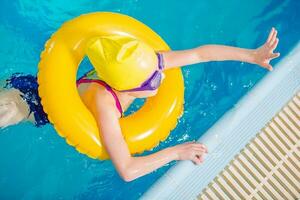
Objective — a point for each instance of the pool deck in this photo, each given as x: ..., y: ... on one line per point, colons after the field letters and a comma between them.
x: 239, y: 142
x: 269, y: 166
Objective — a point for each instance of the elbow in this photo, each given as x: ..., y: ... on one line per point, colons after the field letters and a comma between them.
x: 200, y: 54
x: 127, y: 176
x: 128, y: 172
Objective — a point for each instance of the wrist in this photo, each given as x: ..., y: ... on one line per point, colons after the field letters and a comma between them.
x: 173, y: 153
x: 252, y: 54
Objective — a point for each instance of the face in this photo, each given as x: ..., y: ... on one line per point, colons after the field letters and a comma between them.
x: 147, y: 93
x: 150, y: 86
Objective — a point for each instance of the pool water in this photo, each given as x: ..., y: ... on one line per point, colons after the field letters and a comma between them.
x: 37, y: 164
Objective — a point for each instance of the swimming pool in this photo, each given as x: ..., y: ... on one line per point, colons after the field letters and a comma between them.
x: 37, y: 164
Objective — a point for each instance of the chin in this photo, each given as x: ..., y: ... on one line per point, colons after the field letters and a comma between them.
x: 144, y: 94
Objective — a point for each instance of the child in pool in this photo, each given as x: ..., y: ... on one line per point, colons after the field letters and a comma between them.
x: 20, y: 101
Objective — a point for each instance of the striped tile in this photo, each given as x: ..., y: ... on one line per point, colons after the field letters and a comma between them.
x: 268, y: 167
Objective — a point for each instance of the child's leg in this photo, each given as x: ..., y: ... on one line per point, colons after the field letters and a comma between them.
x: 13, y: 109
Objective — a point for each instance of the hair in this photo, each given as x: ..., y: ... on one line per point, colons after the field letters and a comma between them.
x: 28, y: 86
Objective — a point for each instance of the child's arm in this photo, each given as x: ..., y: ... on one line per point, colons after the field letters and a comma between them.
x: 261, y: 56
x: 130, y: 167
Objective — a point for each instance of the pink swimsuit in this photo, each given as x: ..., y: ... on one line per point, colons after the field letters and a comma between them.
x: 84, y: 79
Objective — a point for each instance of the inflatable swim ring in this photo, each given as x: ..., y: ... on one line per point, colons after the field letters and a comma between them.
x: 58, y: 66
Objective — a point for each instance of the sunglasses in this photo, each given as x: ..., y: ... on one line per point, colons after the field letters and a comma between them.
x: 155, y: 79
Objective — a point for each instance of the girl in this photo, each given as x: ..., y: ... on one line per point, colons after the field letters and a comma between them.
x: 109, y: 97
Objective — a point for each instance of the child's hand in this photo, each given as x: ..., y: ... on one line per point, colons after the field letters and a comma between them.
x: 190, y: 151
x: 264, y: 54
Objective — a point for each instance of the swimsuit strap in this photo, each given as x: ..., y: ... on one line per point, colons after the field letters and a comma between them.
x: 107, y: 87
x: 160, y: 58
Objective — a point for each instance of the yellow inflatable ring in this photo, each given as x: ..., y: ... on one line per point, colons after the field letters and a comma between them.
x: 58, y: 66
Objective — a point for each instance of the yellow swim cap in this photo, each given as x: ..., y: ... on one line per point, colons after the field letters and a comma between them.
x: 121, y: 61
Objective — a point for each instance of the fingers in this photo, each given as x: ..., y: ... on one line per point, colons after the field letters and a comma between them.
x: 197, y: 145
x: 200, y: 147
x: 193, y: 151
x: 273, y: 38
x: 274, y: 44
x: 198, y: 160
x: 198, y: 157
x: 274, y: 55
x: 266, y: 52
x: 271, y: 34
x: 268, y: 66
x: 199, y: 151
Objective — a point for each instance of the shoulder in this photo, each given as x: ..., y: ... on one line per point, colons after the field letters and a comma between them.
x: 103, y: 101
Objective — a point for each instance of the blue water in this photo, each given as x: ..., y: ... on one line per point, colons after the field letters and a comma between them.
x: 37, y: 164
